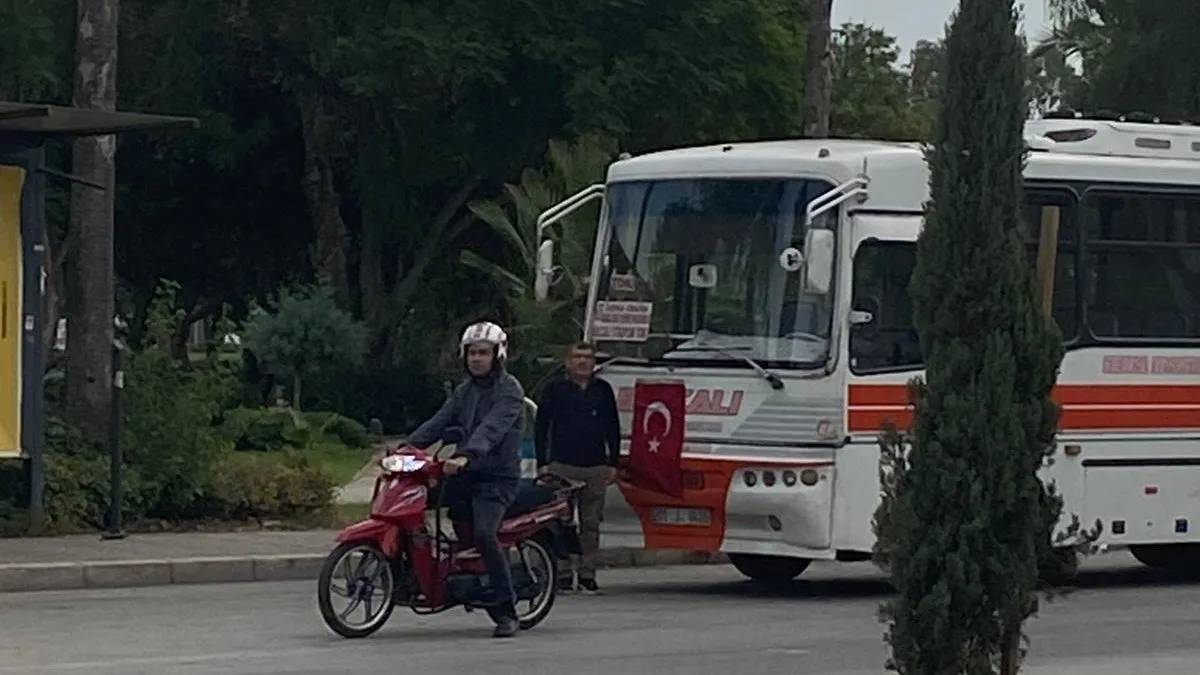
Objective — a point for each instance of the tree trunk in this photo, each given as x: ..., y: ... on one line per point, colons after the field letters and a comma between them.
x: 91, y: 300
x: 320, y: 125
x: 296, y: 391
x: 1010, y: 658
x: 818, y: 76
x: 384, y: 309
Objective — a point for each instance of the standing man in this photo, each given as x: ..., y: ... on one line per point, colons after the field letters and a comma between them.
x: 577, y: 435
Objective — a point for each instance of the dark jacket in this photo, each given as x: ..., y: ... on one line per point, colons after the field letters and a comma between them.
x: 577, y: 426
x: 488, y: 409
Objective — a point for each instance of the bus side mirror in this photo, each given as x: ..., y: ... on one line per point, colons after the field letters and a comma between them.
x: 818, y: 258
x: 545, y: 270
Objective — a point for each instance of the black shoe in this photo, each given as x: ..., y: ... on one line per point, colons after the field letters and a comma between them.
x: 589, y: 586
x: 506, y: 628
x: 566, y: 585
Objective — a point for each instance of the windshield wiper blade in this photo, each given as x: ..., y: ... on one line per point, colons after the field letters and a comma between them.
x: 771, y: 378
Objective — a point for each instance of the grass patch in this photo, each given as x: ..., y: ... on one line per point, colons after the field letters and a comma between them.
x: 348, y: 514
x: 342, y: 462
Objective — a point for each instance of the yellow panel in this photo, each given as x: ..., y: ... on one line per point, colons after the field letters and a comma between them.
x: 12, y: 179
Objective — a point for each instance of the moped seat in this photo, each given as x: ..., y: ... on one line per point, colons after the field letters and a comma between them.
x: 530, y: 497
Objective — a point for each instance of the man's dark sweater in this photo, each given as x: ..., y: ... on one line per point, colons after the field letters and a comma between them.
x: 577, y: 425
x: 488, y: 409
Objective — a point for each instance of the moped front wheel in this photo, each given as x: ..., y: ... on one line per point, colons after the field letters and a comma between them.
x: 359, y: 575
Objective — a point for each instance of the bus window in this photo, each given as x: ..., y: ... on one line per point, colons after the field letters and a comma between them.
x: 1143, y: 255
x: 1066, y: 291
x: 882, y: 271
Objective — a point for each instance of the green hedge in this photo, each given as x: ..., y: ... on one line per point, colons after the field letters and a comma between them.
x: 180, y: 465
x: 181, y: 440
x: 268, y: 429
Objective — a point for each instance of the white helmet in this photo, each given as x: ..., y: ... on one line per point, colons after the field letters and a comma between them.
x: 486, y: 332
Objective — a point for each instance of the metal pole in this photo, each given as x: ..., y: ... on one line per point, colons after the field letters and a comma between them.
x: 116, y: 461
x: 33, y: 222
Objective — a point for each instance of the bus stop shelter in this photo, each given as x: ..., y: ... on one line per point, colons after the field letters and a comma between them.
x: 25, y: 128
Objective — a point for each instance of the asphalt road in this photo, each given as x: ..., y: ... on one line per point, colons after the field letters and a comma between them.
x: 695, y: 620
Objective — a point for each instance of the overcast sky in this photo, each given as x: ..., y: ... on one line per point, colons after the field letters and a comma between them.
x: 912, y: 20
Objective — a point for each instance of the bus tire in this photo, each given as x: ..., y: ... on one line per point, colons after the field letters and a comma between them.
x: 769, y: 570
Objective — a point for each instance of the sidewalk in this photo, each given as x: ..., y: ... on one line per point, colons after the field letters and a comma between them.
x: 86, y: 561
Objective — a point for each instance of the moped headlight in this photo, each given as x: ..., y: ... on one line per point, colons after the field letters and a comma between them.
x: 402, y: 463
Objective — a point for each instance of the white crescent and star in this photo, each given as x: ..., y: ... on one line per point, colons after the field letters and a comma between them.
x: 656, y: 408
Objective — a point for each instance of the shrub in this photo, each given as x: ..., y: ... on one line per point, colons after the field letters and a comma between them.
x: 170, y: 408
x: 268, y: 429
x: 303, y: 334
x: 77, y: 493
x: 246, y: 485
x: 77, y: 485
x: 265, y: 429
x: 331, y: 425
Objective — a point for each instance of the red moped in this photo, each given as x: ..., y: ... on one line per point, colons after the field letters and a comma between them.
x: 396, y: 557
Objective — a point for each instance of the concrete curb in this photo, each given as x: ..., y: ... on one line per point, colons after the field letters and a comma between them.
x: 231, y: 569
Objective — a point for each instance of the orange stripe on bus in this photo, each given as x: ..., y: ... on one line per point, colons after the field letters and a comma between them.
x: 1069, y: 420
x: 1084, y: 407
x: 1066, y: 394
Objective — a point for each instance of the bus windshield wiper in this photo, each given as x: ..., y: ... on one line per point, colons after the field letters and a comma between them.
x: 771, y: 378
x: 637, y: 360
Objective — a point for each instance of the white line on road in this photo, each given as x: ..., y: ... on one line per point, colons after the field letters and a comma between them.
x: 507, y: 650
x: 159, y: 660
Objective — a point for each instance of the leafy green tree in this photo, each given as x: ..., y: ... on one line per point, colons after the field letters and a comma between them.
x: 870, y: 94
x: 1052, y: 82
x: 304, y: 333
x: 451, y: 99
x: 1136, y: 55
x: 966, y: 521
x: 35, y: 49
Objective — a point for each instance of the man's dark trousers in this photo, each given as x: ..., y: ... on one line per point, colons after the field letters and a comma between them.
x: 483, y: 503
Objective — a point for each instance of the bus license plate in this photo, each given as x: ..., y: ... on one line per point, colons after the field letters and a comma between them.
x: 669, y: 516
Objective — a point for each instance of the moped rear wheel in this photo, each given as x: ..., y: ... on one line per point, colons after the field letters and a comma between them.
x: 359, y: 574
x: 542, y: 567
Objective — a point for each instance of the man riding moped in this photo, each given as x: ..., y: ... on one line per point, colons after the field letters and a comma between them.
x: 486, y: 465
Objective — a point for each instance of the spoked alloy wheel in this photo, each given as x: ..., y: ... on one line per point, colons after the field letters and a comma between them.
x: 355, y: 589
x: 531, y: 560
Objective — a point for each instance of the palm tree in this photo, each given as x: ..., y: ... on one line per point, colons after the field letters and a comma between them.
x: 570, y: 167
x: 1079, y: 28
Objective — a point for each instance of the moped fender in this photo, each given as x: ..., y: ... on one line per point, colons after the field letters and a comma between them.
x: 382, y: 533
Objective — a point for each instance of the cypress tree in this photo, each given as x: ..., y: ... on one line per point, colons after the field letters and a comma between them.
x: 966, y: 523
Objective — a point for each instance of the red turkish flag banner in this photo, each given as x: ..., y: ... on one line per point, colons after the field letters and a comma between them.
x: 656, y: 441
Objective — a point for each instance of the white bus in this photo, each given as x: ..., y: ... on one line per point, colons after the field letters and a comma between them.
x: 772, y: 278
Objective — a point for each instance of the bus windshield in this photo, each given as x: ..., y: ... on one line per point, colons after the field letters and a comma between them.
x: 693, y: 273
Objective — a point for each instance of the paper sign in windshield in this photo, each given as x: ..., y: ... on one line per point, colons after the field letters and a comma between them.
x: 625, y: 321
